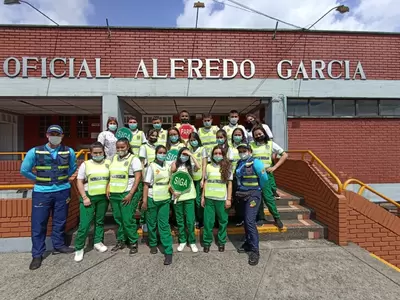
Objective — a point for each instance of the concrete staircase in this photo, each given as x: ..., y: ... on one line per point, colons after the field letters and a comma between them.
x: 298, y: 223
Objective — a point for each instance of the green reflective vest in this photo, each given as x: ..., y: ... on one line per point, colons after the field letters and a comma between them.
x: 216, y: 189
x: 161, y: 182
x: 263, y: 152
x: 98, y: 175
x: 119, y: 173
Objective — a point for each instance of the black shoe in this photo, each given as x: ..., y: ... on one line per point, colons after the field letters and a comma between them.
x: 244, y: 248
x: 278, y: 223
x: 199, y: 225
x: 260, y: 223
x: 276, y: 195
x: 206, y: 249
x: 119, y: 246
x: 134, y: 249
x: 35, y: 263
x: 221, y: 248
x: 253, y: 258
x: 153, y: 250
x: 168, y: 259
x: 63, y: 250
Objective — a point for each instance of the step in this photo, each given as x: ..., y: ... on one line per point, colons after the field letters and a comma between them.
x: 293, y: 230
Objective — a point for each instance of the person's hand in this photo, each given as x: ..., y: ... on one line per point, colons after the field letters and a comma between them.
x: 187, y: 152
x: 203, y: 202
x: 127, y: 199
x: 86, y: 201
x: 202, y: 183
x: 271, y: 169
x: 144, y: 205
x: 176, y: 195
x: 228, y: 204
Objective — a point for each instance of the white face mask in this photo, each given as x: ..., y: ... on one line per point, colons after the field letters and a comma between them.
x: 55, y: 140
x: 244, y: 156
x: 233, y: 121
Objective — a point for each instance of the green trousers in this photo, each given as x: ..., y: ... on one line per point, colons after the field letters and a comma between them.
x: 157, y: 216
x: 212, y: 208
x: 268, y: 199
x: 124, y: 217
x: 199, y: 209
x: 96, y: 211
x: 184, y: 211
x: 271, y: 177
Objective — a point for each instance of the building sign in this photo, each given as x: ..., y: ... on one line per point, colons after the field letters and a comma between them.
x: 210, y: 68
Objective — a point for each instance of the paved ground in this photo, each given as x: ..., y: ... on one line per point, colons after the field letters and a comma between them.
x: 314, y: 269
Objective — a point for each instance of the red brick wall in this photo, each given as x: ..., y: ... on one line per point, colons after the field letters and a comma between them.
x: 360, y: 148
x: 9, y: 173
x: 121, y: 53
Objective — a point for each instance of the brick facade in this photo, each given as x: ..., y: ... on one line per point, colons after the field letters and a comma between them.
x: 10, y: 174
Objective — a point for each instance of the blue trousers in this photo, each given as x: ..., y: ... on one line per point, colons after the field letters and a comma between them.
x: 250, y: 204
x: 43, y: 204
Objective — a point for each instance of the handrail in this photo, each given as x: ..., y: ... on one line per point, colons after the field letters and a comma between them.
x: 325, y: 167
x: 14, y: 153
x: 16, y: 187
x: 84, y: 152
x: 364, y: 186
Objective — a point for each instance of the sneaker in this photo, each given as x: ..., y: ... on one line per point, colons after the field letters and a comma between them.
x: 181, y: 247
x: 79, y: 255
x: 278, y: 223
x: 240, y: 224
x: 244, y: 248
x: 276, y: 195
x: 35, y: 263
x: 100, y: 247
x: 221, y: 248
x: 119, y: 246
x: 153, y: 250
x: 253, y: 258
x: 133, y: 249
x: 199, y: 225
x: 206, y: 249
x: 144, y: 227
x: 168, y: 259
x: 63, y: 250
x: 194, y: 248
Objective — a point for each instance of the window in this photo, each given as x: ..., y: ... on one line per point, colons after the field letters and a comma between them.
x: 321, y: 107
x: 367, y: 108
x: 344, y: 108
x: 83, y: 127
x: 65, y: 123
x: 389, y: 107
x: 147, y: 122
x: 223, y: 121
x: 44, y: 123
x: 297, y: 107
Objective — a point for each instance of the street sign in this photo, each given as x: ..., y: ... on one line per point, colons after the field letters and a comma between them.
x: 124, y: 133
x: 185, y: 130
x: 172, y: 155
x: 181, y: 182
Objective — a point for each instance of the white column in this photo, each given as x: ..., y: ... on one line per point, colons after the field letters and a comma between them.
x: 276, y: 118
x: 112, y: 106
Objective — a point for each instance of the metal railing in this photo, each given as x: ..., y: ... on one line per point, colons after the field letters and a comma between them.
x: 364, y: 187
x: 22, y: 154
x: 84, y: 152
x: 315, y: 158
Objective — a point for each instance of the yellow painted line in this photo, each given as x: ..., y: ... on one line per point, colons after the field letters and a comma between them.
x: 385, y: 262
x: 233, y: 230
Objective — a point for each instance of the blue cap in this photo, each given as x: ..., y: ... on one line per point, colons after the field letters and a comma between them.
x: 55, y: 128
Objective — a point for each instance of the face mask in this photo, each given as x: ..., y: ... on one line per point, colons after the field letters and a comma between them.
x: 153, y: 140
x: 237, y: 139
x: 112, y: 127
x: 220, y: 141
x: 194, y: 143
x: 98, y: 158
x: 260, y: 139
x: 185, y: 121
x: 122, y: 153
x: 55, y: 140
x: 184, y: 158
x: 233, y: 121
x: 157, y: 126
x: 133, y: 126
x: 217, y: 158
x: 161, y: 157
x: 207, y: 124
x: 253, y: 122
x: 173, y: 138
x: 244, y: 156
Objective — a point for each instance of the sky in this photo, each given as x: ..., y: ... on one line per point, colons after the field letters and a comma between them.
x: 364, y: 15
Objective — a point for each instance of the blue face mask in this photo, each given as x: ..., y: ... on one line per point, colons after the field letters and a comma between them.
x: 218, y: 158
x: 220, y: 141
x: 237, y: 139
x: 112, y: 127
x: 133, y: 126
x: 174, y: 138
x: 184, y: 158
x: 157, y: 126
x: 161, y: 157
x: 207, y: 124
x: 194, y: 143
x: 98, y: 158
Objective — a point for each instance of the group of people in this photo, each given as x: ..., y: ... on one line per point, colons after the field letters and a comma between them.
x: 228, y: 167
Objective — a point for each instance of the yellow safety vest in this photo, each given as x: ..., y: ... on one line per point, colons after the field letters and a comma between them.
x: 229, y: 131
x: 178, y: 146
x: 161, y: 178
x: 198, y: 155
x: 98, y: 175
x: 236, y: 157
x: 162, y: 138
x: 119, y: 173
x: 208, y: 138
x: 216, y: 189
x: 263, y: 152
x: 150, y: 153
x: 136, y: 142
x: 189, y: 195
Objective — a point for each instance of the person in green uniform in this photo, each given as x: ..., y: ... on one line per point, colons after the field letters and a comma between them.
x: 200, y: 153
x: 184, y: 204
x: 138, y: 136
x: 162, y: 134
x: 92, y: 181
x: 216, y: 198
x: 156, y: 199
x: 125, y: 176
x: 263, y: 149
x: 207, y: 133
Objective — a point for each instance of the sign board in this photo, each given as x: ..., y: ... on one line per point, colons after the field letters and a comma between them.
x: 124, y: 133
x: 172, y: 155
x: 181, y: 182
x: 185, y: 130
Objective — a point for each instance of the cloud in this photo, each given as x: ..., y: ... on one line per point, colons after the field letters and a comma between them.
x: 64, y: 12
x: 365, y: 15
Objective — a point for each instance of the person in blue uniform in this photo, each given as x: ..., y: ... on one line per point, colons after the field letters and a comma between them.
x: 54, y: 164
x: 251, y: 177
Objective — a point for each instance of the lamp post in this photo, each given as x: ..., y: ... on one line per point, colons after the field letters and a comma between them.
x: 198, y: 5
x: 341, y: 9
x: 12, y: 2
